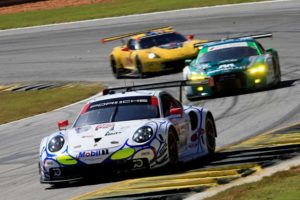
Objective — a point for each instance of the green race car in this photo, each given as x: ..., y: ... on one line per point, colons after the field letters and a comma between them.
x: 232, y: 64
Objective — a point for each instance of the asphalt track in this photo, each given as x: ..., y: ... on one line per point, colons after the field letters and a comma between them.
x: 72, y: 52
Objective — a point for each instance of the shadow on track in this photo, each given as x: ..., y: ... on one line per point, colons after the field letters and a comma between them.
x: 281, y: 85
x: 264, y: 157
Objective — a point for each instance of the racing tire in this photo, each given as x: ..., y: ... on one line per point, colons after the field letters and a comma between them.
x: 278, y: 75
x: 115, y: 70
x: 172, y: 148
x: 211, y: 133
x: 139, y: 68
x: 277, y: 70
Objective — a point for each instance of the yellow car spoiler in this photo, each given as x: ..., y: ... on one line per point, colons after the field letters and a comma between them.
x: 109, y: 39
x: 259, y: 36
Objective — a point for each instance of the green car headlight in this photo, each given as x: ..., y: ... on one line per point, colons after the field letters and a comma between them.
x: 259, y: 69
x: 197, y: 77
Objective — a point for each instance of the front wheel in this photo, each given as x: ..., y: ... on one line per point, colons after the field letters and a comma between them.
x: 115, y: 70
x: 139, y: 68
x: 211, y: 134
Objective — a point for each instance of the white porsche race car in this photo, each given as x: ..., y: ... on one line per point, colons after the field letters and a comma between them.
x: 135, y: 129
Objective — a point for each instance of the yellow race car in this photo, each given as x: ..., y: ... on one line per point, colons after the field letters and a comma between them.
x: 155, y: 50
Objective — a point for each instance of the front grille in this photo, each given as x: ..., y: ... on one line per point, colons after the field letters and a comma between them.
x: 71, y: 172
x: 230, y: 81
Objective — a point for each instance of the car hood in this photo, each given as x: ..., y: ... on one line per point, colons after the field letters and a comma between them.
x: 227, y: 66
x: 107, y: 135
x: 175, y: 50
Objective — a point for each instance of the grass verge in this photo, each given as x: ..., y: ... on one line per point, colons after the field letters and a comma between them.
x: 101, y: 10
x: 280, y: 186
x: 18, y: 105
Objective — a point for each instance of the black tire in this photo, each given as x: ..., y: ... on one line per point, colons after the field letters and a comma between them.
x: 139, y: 68
x: 114, y: 68
x: 172, y: 148
x: 211, y: 133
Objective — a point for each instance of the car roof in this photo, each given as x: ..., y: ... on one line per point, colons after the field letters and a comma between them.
x: 127, y: 94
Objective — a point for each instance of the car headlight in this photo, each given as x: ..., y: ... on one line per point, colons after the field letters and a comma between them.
x: 197, y: 77
x: 143, y: 134
x: 153, y: 55
x: 257, y: 69
x: 56, y: 143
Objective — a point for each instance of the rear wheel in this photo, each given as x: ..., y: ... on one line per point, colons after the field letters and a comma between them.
x: 211, y: 134
x: 172, y: 148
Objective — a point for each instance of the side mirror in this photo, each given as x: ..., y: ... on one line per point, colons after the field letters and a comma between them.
x: 269, y: 50
x: 125, y: 48
x: 62, y: 125
x: 176, y: 111
x: 188, y: 61
x: 190, y: 37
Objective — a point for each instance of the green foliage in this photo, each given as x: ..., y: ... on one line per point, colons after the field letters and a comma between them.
x: 281, y: 186
x: 101, y: 10
x: 17, y: 105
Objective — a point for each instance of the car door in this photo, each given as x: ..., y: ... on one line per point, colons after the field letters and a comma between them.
x: 181, y: 123
x: 128, y: 54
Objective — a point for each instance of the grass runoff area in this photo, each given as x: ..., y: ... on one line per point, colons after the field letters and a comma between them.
x: 18, y: 105
x: 100, y: 10
x: 283, y: 185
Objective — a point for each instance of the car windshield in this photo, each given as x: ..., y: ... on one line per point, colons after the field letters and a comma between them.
x: 220, y: 54
x: 161, y: 39
x: 119, y: 109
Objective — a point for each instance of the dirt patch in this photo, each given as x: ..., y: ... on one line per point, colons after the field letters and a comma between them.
x: 45, y: 5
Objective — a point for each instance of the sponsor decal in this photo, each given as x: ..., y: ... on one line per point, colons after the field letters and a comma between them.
x: 119, y: 102
x: 77, y: 146
x: 103, y: 126
x: 112, y: 133
x: 96, y: 153
x: 226, y: 66
x: 224, y: 46
x: 138, y: 163
x: 114, y: 142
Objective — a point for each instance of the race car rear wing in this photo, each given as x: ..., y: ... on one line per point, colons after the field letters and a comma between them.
x: 109, y: 39
x: 151, y: 86
x: 258, y: 36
